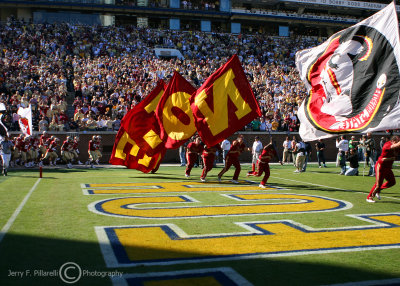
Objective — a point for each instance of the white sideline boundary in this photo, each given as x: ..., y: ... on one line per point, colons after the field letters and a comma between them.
x: 11, y: 220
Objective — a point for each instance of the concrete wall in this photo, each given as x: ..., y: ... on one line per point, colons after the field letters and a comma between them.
x: 7, y: 12
x: 172, y: 156
x: 24, y: 14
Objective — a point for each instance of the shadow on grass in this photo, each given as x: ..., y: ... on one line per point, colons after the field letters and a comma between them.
x: 22, y: 253
x: 48, y: 170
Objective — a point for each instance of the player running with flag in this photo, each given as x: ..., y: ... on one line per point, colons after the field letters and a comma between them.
x: 268, y: 153
x: 192, y: 151
x: 208, y: 159
x: 232, y: 158
x: 383, y: 169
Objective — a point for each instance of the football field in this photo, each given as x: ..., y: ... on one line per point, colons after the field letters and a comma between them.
x: 114, y: 226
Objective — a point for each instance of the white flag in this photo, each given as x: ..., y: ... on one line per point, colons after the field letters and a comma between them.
x: 25, y: 120
x: 353, y: 79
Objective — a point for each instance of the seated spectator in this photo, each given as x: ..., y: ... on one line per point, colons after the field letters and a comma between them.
x: 109, y: 123
x: 54, y: 126
x: 102, y: 123
x: 43, y: 124
x: 117, y: 124
x: 78, y: 115
x: 91, y: 124
x: 63, y: 120
x: 263, y: 126
x: 256, y: 124
x: 274, y: 125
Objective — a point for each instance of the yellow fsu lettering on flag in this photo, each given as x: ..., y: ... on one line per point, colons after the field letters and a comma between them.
x: 145, y: 161
x: 177, y: 118
x: 151, y: 107
x: 151, y: 137
x: 119, y: 152
x: 223, y: 88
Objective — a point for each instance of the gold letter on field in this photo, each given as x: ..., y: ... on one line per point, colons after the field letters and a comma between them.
x: 223, y: 88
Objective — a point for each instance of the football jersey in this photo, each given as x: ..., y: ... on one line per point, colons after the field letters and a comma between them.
x: 387, y: 152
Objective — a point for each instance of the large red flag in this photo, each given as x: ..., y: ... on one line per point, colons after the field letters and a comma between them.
x: 224, y: 103
x: 127, y: 153
x: 141, y: 123
x: 174, y: 113
x: 138, y: 144
x: 353, y: 79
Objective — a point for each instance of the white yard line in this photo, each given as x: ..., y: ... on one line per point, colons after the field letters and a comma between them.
x: 10, y: 222
x: 329, y: 187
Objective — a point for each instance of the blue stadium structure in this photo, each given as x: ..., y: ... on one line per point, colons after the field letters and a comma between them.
x: 275, y: 17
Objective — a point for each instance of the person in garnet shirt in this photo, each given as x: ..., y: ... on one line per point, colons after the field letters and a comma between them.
x: 232, y: 158
x: 192, y: 151
x: 383, y: 169
x: 51, y: 153
x: 268, y: 152
x: 208, y: 159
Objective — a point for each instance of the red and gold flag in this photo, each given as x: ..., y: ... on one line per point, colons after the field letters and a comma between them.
x: 138, y: 144
x: 141, y: 123
x: 174, y: 113
x: 127, y: 153
x: 224, y: 103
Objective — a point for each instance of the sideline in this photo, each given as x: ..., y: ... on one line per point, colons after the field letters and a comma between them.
x: 10, y: 222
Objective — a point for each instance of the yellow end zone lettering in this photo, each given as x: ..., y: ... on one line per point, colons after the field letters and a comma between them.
x: 131, y: 246
x: 261, y: 204
x: 166, y: 188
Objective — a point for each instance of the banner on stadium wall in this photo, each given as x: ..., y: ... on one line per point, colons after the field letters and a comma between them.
x: 174, y: 113
x: 127, y: 153
x: 25, y: 120
x: 344, y: 3
x: 142, y: 125
x: 224, y: 103
x: 353, y: 79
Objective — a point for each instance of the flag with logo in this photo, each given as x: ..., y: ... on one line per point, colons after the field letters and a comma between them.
x: 142, y: 125
x: 224, y: 103
x: 174, y: 113
x: 25, y: 120
x: 353, y: 79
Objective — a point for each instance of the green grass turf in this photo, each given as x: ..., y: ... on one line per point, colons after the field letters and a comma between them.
x: 55, y: 226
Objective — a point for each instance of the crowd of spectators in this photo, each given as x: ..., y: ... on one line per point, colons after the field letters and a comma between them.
x: 108, y: 70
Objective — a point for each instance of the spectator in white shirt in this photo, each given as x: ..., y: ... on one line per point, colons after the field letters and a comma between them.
x: 256, y: 152
x: 225, y: 146
x: 300, y: 156
x: 287, y: 149
x: 343, y: 147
